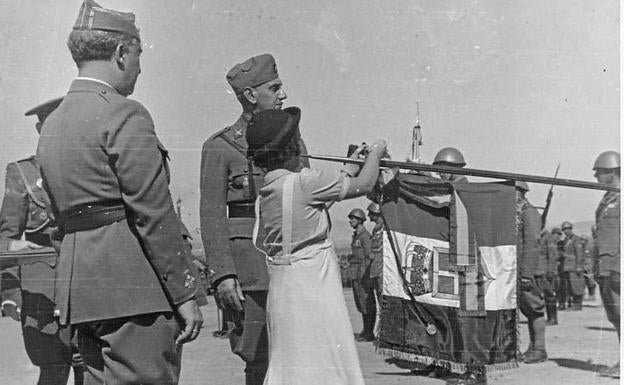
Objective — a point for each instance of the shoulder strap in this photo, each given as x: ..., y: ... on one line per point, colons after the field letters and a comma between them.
x: 287, y: 213
x: 232, y: 143
x: 31, y: 194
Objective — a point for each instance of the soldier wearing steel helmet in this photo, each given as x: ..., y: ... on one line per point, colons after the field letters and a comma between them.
x: 360, y: 262
x: 452, y: 157
x: 573, y: 259
x: 607, y: 170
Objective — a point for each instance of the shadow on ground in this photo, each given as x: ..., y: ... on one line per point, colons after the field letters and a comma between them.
x: 577, y: 364
x: 601, y: 328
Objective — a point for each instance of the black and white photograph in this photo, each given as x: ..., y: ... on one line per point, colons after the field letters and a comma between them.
x: 310, y: 192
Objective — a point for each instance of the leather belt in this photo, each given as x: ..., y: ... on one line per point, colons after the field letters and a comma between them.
x: 91, y: 216
x: 241, y: 210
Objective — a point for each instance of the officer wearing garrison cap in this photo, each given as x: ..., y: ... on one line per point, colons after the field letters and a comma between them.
x: 228, y: 186
x: 23, y: 213
x: 125, y: 280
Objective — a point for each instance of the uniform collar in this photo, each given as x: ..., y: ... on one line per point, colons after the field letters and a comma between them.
x: 84, y: 84
x: 239, y: 129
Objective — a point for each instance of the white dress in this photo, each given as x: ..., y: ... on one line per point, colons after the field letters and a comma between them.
x: 310, y: 334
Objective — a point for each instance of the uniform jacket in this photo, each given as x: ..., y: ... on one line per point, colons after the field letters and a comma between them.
x: 573, y: 254
x: 528, y: 240
x: 24, y: 212
x: 549, y: 255
x: 376, y: 253
x: 361, y: 247
x: 224, y: 179
x: 99, y: 146
x: 608, y: 233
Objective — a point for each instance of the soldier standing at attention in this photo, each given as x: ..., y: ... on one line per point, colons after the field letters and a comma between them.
x: 588, y: 267
x: 23, y: 212
x: 360, y: 262
x: 573, y: 266
x: 530, y: 299
x: 452, y: 157
x: 229, y: 186
x: 550, y: 255
x: 607, y: 170
x: 125, y: 280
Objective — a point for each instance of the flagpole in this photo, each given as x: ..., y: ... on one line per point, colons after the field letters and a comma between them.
x: 473, y: 172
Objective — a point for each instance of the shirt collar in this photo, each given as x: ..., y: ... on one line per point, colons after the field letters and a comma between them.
x: 274, y: 175
x: 94, y: 80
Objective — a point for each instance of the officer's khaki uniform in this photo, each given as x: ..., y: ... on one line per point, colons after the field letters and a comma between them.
x: 123, y: 266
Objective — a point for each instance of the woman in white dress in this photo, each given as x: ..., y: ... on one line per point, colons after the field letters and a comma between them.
x: 310, y: 335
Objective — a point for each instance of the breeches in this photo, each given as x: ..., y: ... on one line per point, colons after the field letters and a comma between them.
x: 531, y: 301
x: 610, y: 293
x: 133, y: 350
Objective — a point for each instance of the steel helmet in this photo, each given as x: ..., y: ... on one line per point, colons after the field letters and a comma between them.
x: 357, y: 213
x: 522, y: 185
x: 374, y: 208
x: 449, y: 155
x: 556, y: 230
x: 608, y: 159
x: 566, y: 225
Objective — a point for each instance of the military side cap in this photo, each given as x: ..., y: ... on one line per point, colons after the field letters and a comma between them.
x: 92, y: 17
x: 44, y: 109
x: 268, y: 130
x: 252, y: 72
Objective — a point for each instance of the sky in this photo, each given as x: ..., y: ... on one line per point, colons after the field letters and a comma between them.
x: 518, y: 86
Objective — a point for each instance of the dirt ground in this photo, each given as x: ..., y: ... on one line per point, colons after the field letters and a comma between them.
x: 582, y: 343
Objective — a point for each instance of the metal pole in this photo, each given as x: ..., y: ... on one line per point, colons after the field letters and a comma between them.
x: 474, y: 172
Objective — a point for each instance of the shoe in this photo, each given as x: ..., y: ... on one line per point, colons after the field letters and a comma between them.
x: 552, y: 322
x: 468, y: 379
x: 613, y: 372
x: 534, y: 357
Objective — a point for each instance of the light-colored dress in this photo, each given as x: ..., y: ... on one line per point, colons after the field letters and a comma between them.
x: 310, y: 335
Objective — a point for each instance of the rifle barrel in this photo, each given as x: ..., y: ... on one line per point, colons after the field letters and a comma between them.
x: 474, y: 172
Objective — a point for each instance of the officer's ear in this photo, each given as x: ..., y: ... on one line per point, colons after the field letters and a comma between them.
x: 119, y: 54
x: 249, y: 94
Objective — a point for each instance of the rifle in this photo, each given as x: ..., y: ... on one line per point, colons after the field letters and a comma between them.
x: 549, y: 199
x: 26, y: 257
x: 473, y: 172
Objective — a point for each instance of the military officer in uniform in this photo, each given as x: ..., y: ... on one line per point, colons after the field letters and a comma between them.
x: 451, y: 157
x: 530, y: 298
x: 607, y: 170
x: 363, y: 285
x: 573, y: 260
x: 125, y: 280
x: 228, y: 187
x: 24, y: 213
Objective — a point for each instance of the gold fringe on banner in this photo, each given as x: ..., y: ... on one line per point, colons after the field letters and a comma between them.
x: 454, y: 367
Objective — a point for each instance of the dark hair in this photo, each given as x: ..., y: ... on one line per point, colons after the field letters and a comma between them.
x: 277, y: 158
x: 88, y: 45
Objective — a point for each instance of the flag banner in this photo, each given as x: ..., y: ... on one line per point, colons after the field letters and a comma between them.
x: 449, y: 274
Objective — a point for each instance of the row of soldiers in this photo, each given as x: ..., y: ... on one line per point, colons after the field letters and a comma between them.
x: 553, y: 267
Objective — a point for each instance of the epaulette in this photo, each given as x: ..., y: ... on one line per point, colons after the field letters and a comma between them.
x: 219, y: 133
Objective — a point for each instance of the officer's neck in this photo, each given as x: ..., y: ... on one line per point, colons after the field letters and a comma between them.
x: 100, y: 70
